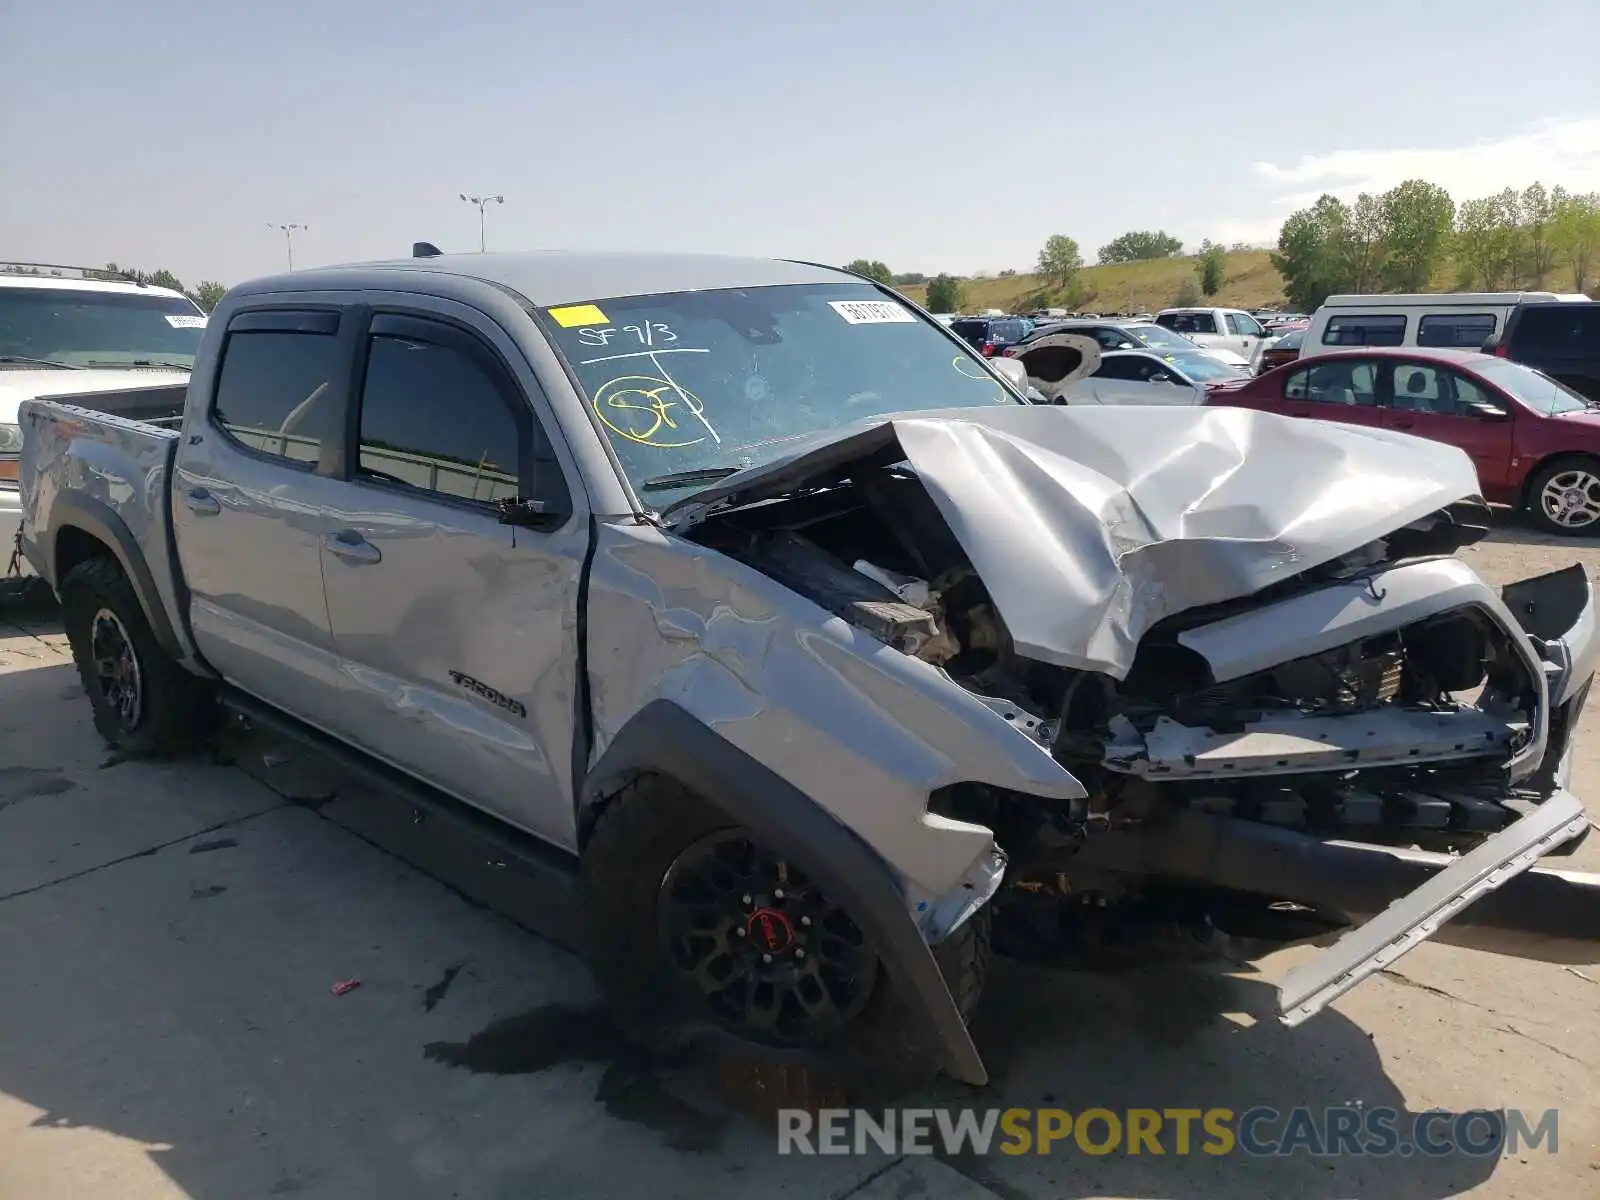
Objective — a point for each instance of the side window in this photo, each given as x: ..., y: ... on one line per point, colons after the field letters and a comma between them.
x: 1471, y: 400
x: 275, y: 392
x: 439, y: 415
x: 1465, y: 331
x: 1443, y: 393
x: 1249, y: 325
x: 1564, y: 328
x: 1234, y: 324
x: 1113, y: 339
x: 1420, y: 389
x: 1350, y: 382
x: 1134, y: 367
x: 1374, y: 330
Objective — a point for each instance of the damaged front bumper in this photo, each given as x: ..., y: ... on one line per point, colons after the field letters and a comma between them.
x: 1401, y: 897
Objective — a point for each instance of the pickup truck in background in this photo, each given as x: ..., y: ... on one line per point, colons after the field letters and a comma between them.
x: 1218, y: 329
x: 72, y: 331
x: 817, y: 659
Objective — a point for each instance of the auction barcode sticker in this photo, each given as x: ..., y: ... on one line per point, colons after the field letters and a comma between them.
x: 185, y: 321
x: 872, y: 312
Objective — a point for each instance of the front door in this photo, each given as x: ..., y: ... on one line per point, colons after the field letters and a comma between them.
x: 457, y: 633
x: 256, y: 472
x: 1432, y: 401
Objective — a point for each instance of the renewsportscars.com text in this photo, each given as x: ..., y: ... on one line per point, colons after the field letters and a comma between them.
x: 1258, y: 1131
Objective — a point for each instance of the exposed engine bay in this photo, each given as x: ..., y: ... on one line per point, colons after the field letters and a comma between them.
x: 1402, y: 736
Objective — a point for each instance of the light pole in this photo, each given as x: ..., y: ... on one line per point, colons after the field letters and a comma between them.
x: 483, y: 202
x: 288, y: 237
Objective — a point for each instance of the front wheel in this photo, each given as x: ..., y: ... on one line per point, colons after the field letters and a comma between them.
x: 1564, y: 496
x: 144, y: 703
x: 692, y: 922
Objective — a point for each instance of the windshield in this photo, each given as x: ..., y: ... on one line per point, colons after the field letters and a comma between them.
x: 1202, y: 367
x: 696, y: 381
x: 1158, y: 338
x: 1292, y: 340
x: 1538, y: 392
x: 98, y: 329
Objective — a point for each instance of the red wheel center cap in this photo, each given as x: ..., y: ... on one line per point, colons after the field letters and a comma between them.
x: 770, y: 929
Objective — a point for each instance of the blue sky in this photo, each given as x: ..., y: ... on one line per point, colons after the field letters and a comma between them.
x: 931, y: 135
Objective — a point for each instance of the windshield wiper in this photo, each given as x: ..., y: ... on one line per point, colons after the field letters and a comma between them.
x: 678, y: 479
x: 39, y: 362
x: 144, y: 362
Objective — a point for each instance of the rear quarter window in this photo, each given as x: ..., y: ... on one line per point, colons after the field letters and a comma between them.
x: 1463, y: 331
x: 1373, y: 329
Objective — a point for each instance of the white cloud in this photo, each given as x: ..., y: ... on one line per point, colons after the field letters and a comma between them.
x: 1562, y: 151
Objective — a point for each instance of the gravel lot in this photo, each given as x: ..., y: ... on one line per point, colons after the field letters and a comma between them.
x: 170, y: 934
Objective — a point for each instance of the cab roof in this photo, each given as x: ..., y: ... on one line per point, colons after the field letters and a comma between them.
x: 546, y: 277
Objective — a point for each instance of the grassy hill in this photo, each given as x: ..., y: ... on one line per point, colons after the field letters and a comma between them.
x: 1250, y: 281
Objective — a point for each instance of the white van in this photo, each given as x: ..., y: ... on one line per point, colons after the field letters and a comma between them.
x: 1461, y: 320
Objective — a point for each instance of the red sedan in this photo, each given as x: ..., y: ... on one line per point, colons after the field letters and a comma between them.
x: 1535, y: 442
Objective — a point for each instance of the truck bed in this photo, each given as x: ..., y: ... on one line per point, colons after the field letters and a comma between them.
x: 112, y: 472
x: 159, y: 404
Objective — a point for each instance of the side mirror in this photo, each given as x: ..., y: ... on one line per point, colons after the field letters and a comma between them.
x: 1162, y: 377
x: 1012, y: 371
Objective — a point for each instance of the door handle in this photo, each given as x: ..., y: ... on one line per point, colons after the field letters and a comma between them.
x: 352, y: 547
x: 201, y: 501
x: 1403, y: 424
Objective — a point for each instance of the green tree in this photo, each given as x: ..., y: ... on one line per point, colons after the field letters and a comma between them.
x: 1418, y: 218
x: 872, y: 269
x: 908, y: 278
x: 1059, y: 261
x: 1575, y: 233
x: 207, y: 292
x: 1537, y: 210
x: 1486, y: 245
x: 164, y: 279
x: 1312, y: 254
x: 944, y: 294
x: 1362, y: 246
x: 1213, y: 266
x: 1139, y: 244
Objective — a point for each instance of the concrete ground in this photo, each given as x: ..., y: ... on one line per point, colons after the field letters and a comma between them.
x: 170, y: 934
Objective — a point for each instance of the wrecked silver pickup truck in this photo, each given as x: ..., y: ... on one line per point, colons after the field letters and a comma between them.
x: 822, y: 660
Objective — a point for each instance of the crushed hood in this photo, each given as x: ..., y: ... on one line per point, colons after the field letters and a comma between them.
x: 1089, y: 525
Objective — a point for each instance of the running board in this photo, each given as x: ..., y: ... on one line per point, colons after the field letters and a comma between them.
x: 1412, y: 919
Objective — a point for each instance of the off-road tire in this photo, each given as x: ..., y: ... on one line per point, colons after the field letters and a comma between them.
x: 174, y: 710
x: 636, y: 838
x: 1542, y: 477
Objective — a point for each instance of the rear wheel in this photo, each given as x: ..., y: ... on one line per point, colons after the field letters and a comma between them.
x: 144, y: 703
x: 1564, y: 496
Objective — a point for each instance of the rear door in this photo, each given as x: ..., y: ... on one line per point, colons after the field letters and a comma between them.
x: 1335, y: 389
x: 457, y: 634
x: 1430, y: 400
x: 256, y: 473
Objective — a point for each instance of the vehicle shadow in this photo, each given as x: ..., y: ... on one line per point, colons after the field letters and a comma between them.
x: 179, y: 1000
x: 1185, y: 1037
